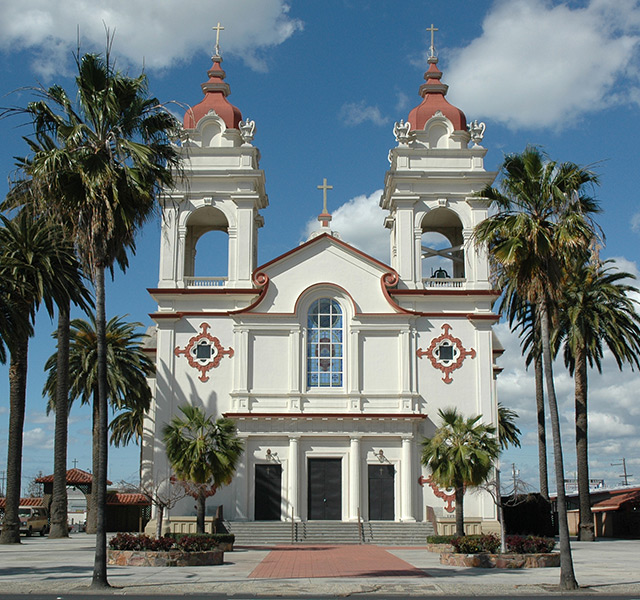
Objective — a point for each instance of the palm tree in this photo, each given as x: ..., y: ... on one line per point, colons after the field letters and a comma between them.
x: 119, y: 151
x: 202, y: 451
x: 460, y: 454
x: 595, y: 311
x: 128, y: 368
x: 540, y: 228
x: 508, y: 432
x: 37, y: 266
x: 522, y: 316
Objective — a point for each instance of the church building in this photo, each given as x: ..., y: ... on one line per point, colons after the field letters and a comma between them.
x: 332, y: 364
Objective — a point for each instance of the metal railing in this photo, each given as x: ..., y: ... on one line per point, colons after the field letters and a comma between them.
x: 443, y: 282
x: 205, y: 281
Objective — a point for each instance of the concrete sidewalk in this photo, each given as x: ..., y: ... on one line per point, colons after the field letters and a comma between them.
x: 40, y: 565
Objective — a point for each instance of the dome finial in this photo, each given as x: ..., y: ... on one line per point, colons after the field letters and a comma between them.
x: 432, y: 48
x: 218, y: 28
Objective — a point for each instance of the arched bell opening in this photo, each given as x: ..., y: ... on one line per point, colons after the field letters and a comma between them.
x: 442, y: 249
x: 207, y: 248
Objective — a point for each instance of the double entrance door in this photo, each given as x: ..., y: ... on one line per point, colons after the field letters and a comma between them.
x: 325, y: 489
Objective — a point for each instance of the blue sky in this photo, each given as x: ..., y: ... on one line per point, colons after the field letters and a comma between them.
x: 324, y: 82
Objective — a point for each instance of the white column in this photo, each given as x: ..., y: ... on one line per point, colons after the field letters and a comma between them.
x: 354, y: 478
x: 294, y: 468
x: 406, y: 479
x: 181, y: 256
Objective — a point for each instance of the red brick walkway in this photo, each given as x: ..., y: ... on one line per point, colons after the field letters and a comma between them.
x: 293, y: 562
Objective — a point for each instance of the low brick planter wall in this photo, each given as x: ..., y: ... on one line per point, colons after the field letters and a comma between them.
x: 440, y: 548
x: 501, y: 561
x: 171, y: 558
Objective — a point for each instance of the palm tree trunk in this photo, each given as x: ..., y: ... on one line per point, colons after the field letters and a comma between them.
x: 59, y: 527
x: 100, y: 478
x: 202, y: 498
x: 460, y: 510
x: 542, y: 433
x: 567, y: 575
x: 17, y: 401
x: 586, y: 531
x: 92, y: 507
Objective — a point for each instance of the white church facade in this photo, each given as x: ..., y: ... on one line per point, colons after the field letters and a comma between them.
x: 332, y: 364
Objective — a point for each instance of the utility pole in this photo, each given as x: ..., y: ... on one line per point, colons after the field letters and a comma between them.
x: 514, y: 475
x: 625, y: 475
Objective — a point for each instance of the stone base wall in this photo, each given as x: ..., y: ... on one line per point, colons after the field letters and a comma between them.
x: 501, y: 561
x: 171, y: 558
x: 439, y: 548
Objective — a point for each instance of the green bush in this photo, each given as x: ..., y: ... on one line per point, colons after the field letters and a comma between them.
x: 530, y: 544
x: 474, y: 544
x: 440, y: 539
x: 186, y: 542
x: 218, y: 538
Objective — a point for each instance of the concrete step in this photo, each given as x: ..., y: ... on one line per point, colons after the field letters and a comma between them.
x: 387, y: 533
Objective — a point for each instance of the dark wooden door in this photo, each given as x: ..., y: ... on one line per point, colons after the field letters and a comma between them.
x: 268, y: 492
x: 325, y: 489
x: 381, y: 493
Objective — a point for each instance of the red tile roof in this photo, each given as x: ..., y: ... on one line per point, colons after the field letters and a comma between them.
x: 35, y: 502
x: 74, y: 477
x: 129, y: 499
x: 617, y: 501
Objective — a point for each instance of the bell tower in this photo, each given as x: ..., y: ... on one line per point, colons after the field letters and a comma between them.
x: 221, y: 189
x: 430, y: 192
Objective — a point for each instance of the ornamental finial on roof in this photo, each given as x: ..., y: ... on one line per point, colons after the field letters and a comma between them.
x: 432, y: 48
x: 218, y: 28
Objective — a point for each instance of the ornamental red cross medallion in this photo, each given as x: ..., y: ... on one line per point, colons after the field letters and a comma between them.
x: 446, y: 353
x: 204, y: 352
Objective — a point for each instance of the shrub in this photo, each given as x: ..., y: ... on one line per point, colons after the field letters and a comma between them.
x: 218, y: 538
x: 439, y: 539
x: 127, y: 541
x: 531, y: 544
x: 474, y: 544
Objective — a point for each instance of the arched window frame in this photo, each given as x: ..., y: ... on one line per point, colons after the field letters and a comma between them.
x: 325, y: 366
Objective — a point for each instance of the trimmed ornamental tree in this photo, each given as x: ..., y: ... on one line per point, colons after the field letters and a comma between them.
x: 460, y: 454
x: 202, y: 451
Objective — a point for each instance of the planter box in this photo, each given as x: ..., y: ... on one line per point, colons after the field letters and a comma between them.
x: 440, y: 548
x: 501, y: 561
x: 170, y: 558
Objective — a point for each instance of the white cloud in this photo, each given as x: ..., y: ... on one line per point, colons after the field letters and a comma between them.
x: 38, y: 438
x: 355, y: 113
x: 359, y: 223
x: 160, y: 37
x: 544, y: 64
x: 635, y: 222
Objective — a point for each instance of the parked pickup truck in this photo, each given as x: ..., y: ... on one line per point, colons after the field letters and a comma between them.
x: 33, y: 520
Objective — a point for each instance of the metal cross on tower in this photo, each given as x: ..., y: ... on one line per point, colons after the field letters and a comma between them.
x: 432, y: 48
x: 218, y: 28
x: 324, y: 187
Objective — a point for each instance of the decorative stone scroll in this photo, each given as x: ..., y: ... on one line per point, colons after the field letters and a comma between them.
x: 449, y: 498
x: 204, y: 352
x: 446, y: 353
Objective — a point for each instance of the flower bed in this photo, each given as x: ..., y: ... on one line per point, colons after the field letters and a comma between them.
x: 501, y: 561
x: 523, y: 552
x: 144, y: 551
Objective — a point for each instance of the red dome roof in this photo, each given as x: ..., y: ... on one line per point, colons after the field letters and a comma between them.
x: 215, y: 98
x: 433, y: 93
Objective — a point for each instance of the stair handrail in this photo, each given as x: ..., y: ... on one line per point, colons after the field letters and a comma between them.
x: 360, y: 528
x: 293, y: 525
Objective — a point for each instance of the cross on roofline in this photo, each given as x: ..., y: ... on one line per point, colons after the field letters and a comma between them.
x: 218, y: 28
x: 324, y: 187
x: 432, y: 48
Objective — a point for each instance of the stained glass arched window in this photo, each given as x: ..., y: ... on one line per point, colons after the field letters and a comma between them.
x: 324, y: 344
